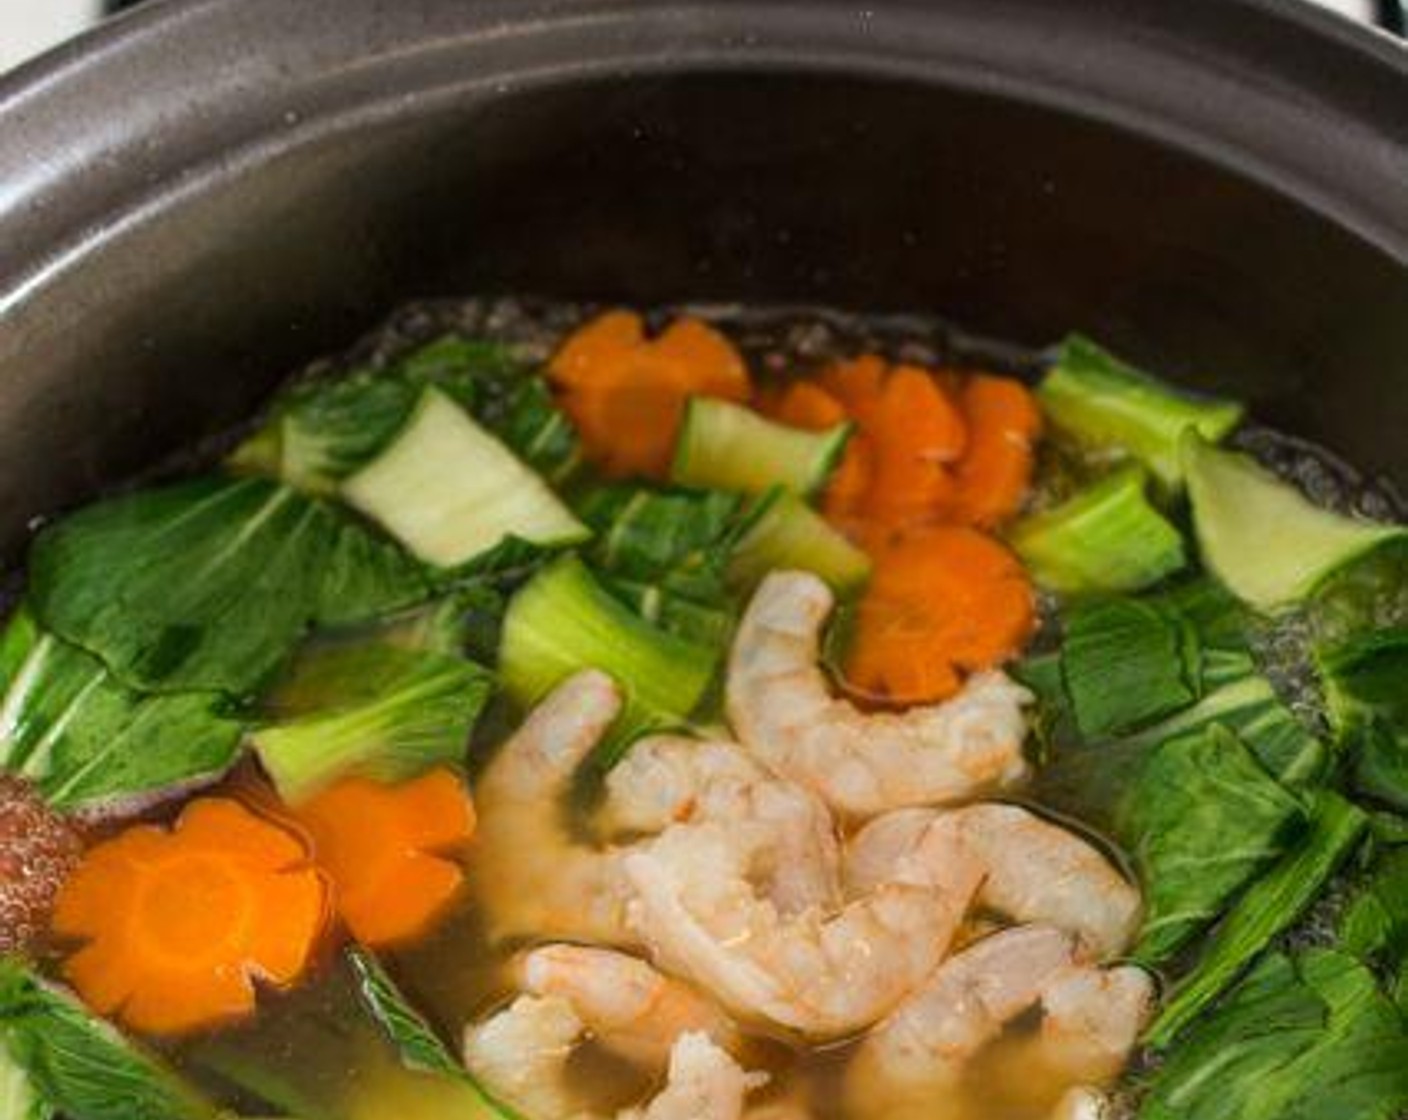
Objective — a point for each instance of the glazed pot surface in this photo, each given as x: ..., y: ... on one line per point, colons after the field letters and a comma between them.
x: 206, y: 194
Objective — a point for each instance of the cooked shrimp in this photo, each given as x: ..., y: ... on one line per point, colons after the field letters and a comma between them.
x: 533, y: 877
x: 921, y: 1052
x: 521, y: 1054
x: 667, y: 779
x: 780, y: 707
x: 629, y: 1007
x: 822, y: 973
x: 1034, y: 871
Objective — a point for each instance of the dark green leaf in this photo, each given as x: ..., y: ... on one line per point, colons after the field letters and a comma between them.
x: 1251, y: 708
x: 1202, y: 819
x: 1306, y: 1038
x: 80, y: 1064
x: 1374, y: 925
x: 1366, y: 686
x: 366, y: 576
x: 1126, y: 663
x: 1269, y: 906
x: 201, y: 585
x: 207, y: 584
x: 665, y: 553
x: 90, y: 743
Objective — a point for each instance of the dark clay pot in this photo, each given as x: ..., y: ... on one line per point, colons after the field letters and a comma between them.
x: 203, y: 194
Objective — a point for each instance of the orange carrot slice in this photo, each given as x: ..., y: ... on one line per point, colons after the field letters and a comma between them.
x: 996, y: 470
x: 942, y: 602
x: 387, y: 849
x: 856, y: 384
x: 626, y: 393
x: 177, y: 924
x: 916, y: 433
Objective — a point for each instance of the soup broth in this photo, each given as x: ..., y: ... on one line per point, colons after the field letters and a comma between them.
x: 910, y: 471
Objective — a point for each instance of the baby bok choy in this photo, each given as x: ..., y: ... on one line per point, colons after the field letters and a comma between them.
x: 563, y: 621
x: 207, y: 584
x: 1259, y: 535
x: 371, y: 708
x: 1107, y: 404
x: 79, y: 1066
x: 451, y: 491
x: 1107, y: 538
x: 88, y: 742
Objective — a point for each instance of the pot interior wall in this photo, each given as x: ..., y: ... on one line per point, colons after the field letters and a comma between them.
x: 1009, y: 218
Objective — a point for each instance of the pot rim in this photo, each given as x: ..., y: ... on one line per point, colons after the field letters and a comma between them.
x: 212, y: 88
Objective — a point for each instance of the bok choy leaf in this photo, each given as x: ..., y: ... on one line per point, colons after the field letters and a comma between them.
x: 80, y: 1064
x: 379, y: 710
x: 88, y: 742
x: 1203, y: 819
x: 1374, y: 926
x: 665, y: 553
x: 1366, y: 687
x: 1271, y: 905
x: 1308, y: 1037
x: 324, y: 428
x: 207, y: 584
x: 1126, y: 663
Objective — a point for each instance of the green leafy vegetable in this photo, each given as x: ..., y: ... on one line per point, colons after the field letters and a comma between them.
x: 1374, y: 926
x: 415, y: 1043
x: 1366, y: 688
x: 1106, y: 403
x: 324, y: 429
x: 80, y: 1064
x: 563, y: 620
x: 1268, y: 907
x: 1260, y: 535
x: 665, y: 552
x: 730, y: 447
x: 1126, y: 663
x: 1302, y: 1038
x: 1252, y: 709
x: 369, y: 708
x: 1368, y: 593
x: 789, y: 534
x: 1203, y: 819
x: 204, y: 585
x: 90, y: 743
x: 1108, y: 538
x: 450, y: 490
x: 19, y: 1097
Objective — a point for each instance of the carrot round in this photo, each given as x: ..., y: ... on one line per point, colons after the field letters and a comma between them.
x: 388, y: 849
x: 626, y: 393
x: 942, y: 602
x: 178, y: 924
x: 996, y: 470
x: 916, y: 435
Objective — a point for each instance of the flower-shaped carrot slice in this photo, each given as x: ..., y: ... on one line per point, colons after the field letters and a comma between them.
x: 626, y: 393
x: 178, y: 924
x: 386, y: 847
x: 942, y: 602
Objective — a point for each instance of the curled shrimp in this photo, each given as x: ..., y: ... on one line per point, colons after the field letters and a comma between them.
x: 920, y: 1053
x: 629, y: 1007
x: 1033, y: 871
x: 780, y: 707
x: 667, y: 780
x: 818, y: 972
x: 533, y: 877
x: 521, y: 1055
